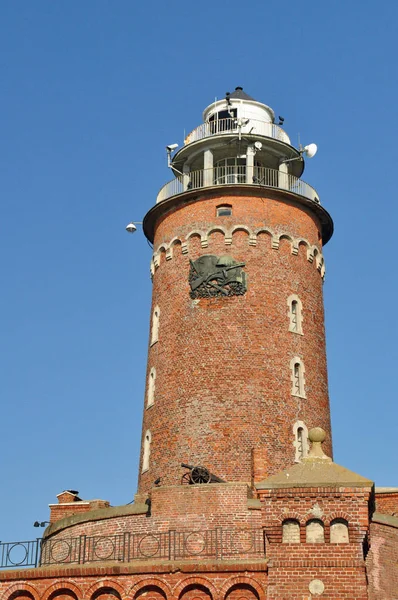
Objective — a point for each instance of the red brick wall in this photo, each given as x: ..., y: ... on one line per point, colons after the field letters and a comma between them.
x: 184, y: 508
x: 223, y: 380
x: 60, y: 511
x: 382, y: 561
x: 387, y: 503
x: 109, y: 582
x: 292, y: 567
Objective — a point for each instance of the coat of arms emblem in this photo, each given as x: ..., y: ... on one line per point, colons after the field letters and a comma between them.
x: 211, y: 276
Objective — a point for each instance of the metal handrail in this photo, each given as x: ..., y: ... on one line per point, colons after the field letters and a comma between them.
x: 230, y: 125
x: 227, y: 175
x: 216, y: 543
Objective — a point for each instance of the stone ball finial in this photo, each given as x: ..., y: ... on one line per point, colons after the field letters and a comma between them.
x: 317, y: 434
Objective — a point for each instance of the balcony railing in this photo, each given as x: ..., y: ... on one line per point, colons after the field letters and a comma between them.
x: 220, y: 544
x: 227, y: 175
x: 230, y: 125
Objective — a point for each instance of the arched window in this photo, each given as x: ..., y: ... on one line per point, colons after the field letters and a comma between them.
x: 339, y: 532
x: 300, y: 443
x: 315, y: 533
x: 147, y: 451
x: 295, y: 314
x: 155, y: 325
x: 290, y: 532
x: 297, y: 377
x: 151, y: 387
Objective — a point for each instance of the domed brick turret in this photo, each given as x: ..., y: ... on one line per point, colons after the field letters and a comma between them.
x: 236, y: 362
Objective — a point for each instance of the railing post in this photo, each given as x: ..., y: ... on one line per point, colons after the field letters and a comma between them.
x: 283, y: 182
x: 219, y: 542
x: 82, y: 549
x: 126, y: 544
x: 185, y: 177
x: 38, y: 545
x: 207, y: 168
x: 172, y: 544
x: 250, y: 164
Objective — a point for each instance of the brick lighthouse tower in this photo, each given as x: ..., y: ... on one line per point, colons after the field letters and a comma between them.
x: 238, y: 496
x: 236, y: 363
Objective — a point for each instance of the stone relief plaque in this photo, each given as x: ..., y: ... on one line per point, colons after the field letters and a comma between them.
x: 211, y: 276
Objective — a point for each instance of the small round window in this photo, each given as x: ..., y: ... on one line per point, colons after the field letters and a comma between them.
x: 224, y: 211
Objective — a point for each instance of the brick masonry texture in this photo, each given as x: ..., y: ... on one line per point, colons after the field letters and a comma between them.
x: 387, y: 503
x: 292, y: 566
x: 382, y: 562
x: 155, y: 582
x: 223, y: 376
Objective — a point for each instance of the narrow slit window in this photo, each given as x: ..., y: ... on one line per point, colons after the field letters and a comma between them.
x: 297, y: 376
x: 147, y: 451
x: 295, y: 314
x: 297, y: 379
x: 300, y: 443
x: 155, y: 325
x: 151, y: 387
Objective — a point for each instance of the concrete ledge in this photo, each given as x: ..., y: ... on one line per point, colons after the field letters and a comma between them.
x: 170, y: 204
x: 385, y: 519
x: 138, y: 567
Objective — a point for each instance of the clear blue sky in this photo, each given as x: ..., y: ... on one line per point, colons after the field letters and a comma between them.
x: 91, y: 94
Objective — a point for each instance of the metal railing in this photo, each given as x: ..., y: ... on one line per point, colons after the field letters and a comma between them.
x: 231, y: 125
x: 219, y: 543
x: 20, y: 554
x: 227, y: 175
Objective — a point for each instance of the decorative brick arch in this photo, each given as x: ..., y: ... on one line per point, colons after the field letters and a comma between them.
x: 175, y: 242
x: 244, y: 228
x: 239, y: 580
x: 195, y: 581
x: 302, y: 242
x: 163, y: 586
x: 18, y: 588
x: 216, y: 229
x: 314, y: 252
x: 337, y: 515
x: 68, y: 586
x: 286, y: 236
x: 104, y: 584
x: 195, y: 233
x: 264, y: 230
x: 165, y: 250
x: 292, y: 515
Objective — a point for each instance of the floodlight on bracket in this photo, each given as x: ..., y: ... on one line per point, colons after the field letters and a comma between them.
x: 310, y: 150
x: 132, y: 226
x: 169, y: 149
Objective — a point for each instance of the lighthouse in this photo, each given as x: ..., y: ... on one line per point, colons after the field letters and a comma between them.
x: 238, y: 494
x: 236, y: 371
